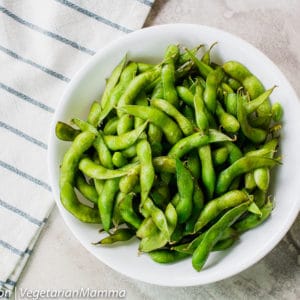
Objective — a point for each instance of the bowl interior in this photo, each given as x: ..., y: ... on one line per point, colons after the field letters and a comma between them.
x: 148, y: 45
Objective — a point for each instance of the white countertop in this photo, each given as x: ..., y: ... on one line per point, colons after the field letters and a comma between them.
x: 60, y: 262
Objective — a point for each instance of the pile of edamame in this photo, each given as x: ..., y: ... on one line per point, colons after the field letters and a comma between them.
x: 176, y: 154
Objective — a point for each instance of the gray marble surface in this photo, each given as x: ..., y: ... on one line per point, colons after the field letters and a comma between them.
x: 60, y: 262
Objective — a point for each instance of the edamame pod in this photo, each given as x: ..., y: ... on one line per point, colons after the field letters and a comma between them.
x: 93, y: 170
x: 65, y: 132
x: 125, y: 140
x: 242, y: 165
x: 196, y: 140
x: 158, y: 118
x: 67, y: 175
x: 169, y: 109
x: 185, y: 189
x: 147, y: 173
x: 216, y: 206
x: 214, y: 233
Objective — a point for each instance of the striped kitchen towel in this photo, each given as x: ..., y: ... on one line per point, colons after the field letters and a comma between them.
x: 42, y: 45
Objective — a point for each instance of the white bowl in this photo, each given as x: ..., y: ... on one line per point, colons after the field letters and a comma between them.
x: 148, y: 45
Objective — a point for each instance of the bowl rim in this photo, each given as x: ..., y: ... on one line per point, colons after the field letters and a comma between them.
x: 81, y: 73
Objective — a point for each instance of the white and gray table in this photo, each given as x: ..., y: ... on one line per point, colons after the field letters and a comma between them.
x: 60, y: 262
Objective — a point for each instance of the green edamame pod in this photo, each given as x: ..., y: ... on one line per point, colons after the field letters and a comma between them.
x: 253, y: 86
x: 239, y: 167
x: 168, y: 75
x: 153, y: 241
x: 147, y: 228
x: 230, y: 101
x: 214, y: 207
x: 256, y: 135
x: 200, y: 110
x: 253, y: 208
x: 172, y: 218
x: 190, y: 247
x: 112, y: 81
x: 119, y: 160
x: 164, y: 164
x: 65, y: 132
x: 207, y: 170
x: 169, y: 109
x: 128, y: 182
x: 125, y: 124
x: 254, y: 220
x: 185, y: 189
x: 203, y: 68
x: 136, y: 86
x: 220, y: 155
x: 238, y: 72
x: 99, y: 184
x: 214, y: 233
x: 158, y: 91
x: 184, y: 70
x: 94, y: 113
x: 213, y: 80
x: 227, y: 121
x: 93, y: 170
x: 249, y: 181
x: 226, y: 88
x: 158, y: 118
x: 277, y: 112
x: 206, y: 56
x: 126, y: 77
x: 147, y: 173
x: 141, y: 100
x: 157, y: 238
x: 254, y: 104
x: 172, y: 52
x: 84, y: 126
x: 149, y: 209
x: 103, y: 152
x: 185, y: 57
x: 129, y: 152
x: 155, y: 137
x: 234, y: 152
x: 120, y: 235
x: 196, y: 140
x: 143, y: 67
x: 106, y: 201
x: 261, y: 176
x: 67, y: 175
x: 165, y: 256
x: 185, y: 95
x: 249, y: 177
x: 125, y: 140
